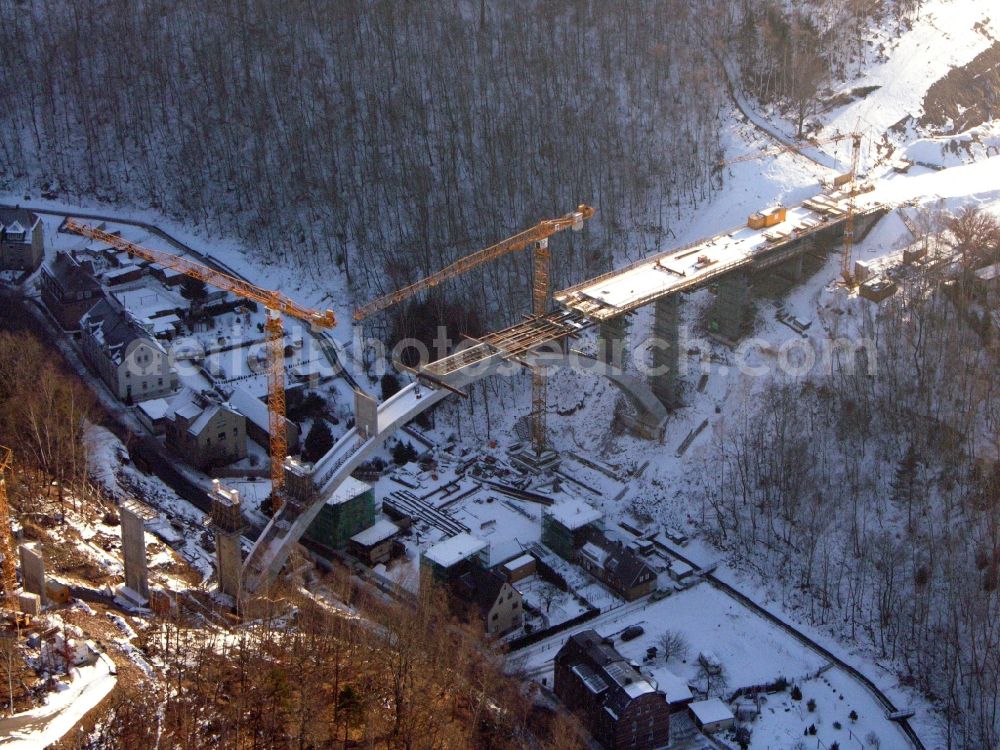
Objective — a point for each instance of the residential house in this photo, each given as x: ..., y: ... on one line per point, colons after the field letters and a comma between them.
x: 616, y: 566
x: 618, y: 705
x: 374, y: 544
x: 567, y: 525
x: 69, y: 290
x: 22, y: 242
x: 350, y: 509
x: 132, y: 362
x: 258, y: 420
x: 498, y: 604
x: 204, y: 431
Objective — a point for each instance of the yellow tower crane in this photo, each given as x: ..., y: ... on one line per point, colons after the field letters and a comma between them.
x: 276, y: 305
x: 538, y: 236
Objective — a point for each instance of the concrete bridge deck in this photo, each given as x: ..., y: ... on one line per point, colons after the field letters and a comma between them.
x: 625, y: 289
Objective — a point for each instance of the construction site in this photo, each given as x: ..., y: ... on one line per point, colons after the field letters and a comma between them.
x: 600, y: 493
x: 558, y: 527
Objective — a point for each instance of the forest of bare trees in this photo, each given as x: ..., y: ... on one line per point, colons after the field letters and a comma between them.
x: 870, y: 499
x: 380, y: 139
x: 379, y: 675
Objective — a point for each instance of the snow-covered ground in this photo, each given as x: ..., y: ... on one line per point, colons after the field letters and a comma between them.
x: 46, y: 724
x: 945, y: 34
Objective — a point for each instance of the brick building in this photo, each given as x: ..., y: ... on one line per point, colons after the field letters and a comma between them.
x: 618, y: 705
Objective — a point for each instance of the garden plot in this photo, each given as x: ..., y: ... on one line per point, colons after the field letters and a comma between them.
x: 557, y: 606
x: 842, y: 712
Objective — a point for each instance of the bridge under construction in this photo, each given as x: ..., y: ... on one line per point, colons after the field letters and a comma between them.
x: 773, y: 242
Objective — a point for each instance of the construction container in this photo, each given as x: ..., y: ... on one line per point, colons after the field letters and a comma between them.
x: 843, y: 179
x: 764, y: 219
x: 877, y: 289
x: 57, y: 592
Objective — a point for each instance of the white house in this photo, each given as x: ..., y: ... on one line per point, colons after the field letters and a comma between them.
x: 128, y: 358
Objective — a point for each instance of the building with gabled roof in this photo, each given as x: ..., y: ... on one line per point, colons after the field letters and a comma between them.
x: 22, y: 242
x: 128, y: 358
x: 259, y: 421
x: 498, y: 604
x: 68, y: 289
x: 619, y: 706
x: 204, y: 431
x: 617, y: 567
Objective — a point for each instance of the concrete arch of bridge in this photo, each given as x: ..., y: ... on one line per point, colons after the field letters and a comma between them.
x: 271, y: 550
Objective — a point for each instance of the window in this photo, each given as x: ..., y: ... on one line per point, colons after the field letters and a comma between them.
x: 515, y: 605
x: 222, y: 436
x: 159, y: 381
x: 496, y: 615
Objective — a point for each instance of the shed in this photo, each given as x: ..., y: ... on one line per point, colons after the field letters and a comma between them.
x: 519, y: 568
x: 711, y: 715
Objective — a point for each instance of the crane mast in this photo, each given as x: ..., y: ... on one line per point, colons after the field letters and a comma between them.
x: 537, y: 237
x: 848, y: 243
x: 275, y: 303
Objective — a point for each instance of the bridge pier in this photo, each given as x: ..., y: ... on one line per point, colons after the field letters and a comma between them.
x: 792, y: 270
x: 665, y: 380
x: 732, y: 310
x: 611, y: 341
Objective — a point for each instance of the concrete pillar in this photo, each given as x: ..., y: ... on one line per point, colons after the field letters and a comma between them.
x: 792, y: 270
x: 365, y: 414
x: 611, y: 341
x: 33, y: 570
x: 665, y: 381
x: 227, y: 518
x: 133, y: 517
x: 732, y: 311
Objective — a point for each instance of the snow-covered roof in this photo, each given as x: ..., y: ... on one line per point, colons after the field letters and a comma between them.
x: 452, y: 551
x: 349, y: 489
x: 989, y: 273
x: 711, y: 711
x: 679, y: 569
x: 574, y: 514
x: 518, y: 562
x: 673, y: 687
x: 250, y: 407
x: 147, y: 302
x: 203, y: 419
x: 595, y: 553
x: 376, y: 533
x: 155, y: 408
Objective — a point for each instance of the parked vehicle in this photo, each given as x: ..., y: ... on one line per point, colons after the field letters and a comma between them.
x: 632, y: 632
